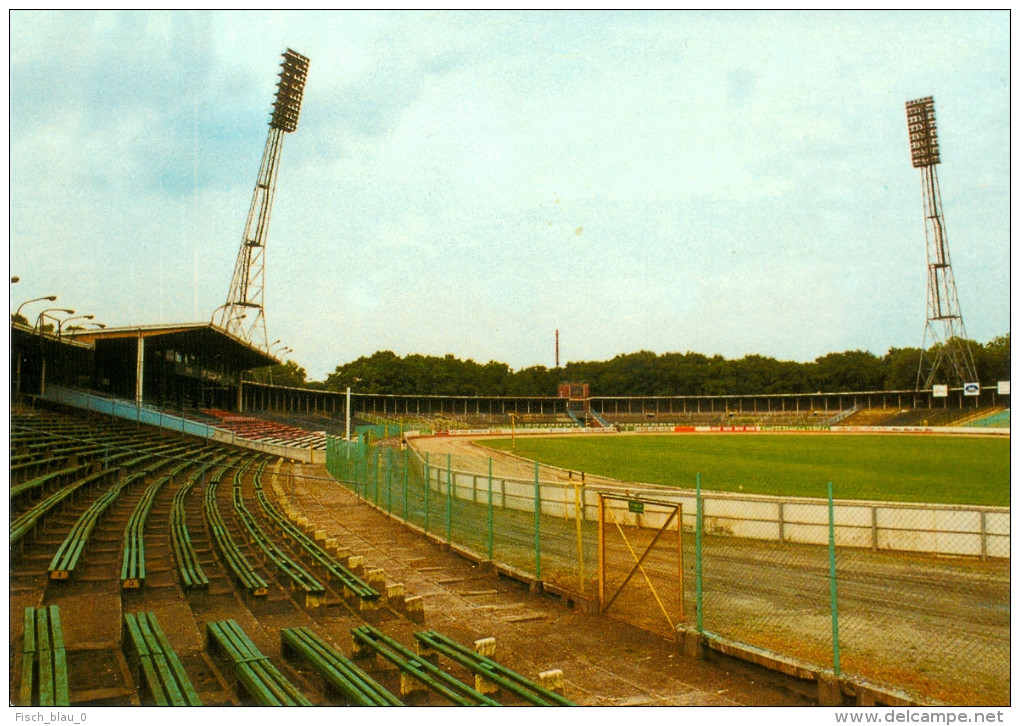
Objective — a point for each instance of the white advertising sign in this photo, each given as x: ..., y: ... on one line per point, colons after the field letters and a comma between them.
x: 939, y: 391
x: 1003, y: 388
x: 971, y: 389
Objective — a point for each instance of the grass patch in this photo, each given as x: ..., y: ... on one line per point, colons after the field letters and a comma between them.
x: 899, y: 468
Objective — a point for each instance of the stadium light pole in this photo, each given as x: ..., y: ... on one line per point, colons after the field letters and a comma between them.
x: 51, y: 298
x: 944, y: 323
x: 247, y: 286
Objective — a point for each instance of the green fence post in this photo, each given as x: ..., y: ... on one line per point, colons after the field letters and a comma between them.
x: 427, y: 491
x: 375, y: 476
x: 356, y: 471
x: 538, y: 537
x: 449, y: 500
x: 490, y: 509
x: 405, y: 484
x: 389, y: 481
x: 366, y: 467
x: 832, y: 586
x: 698, y: 592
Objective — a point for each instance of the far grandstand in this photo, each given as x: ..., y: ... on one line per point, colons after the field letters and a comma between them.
x: 200, y: 377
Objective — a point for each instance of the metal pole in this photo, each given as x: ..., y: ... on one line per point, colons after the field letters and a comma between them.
x: 578, y: 511
x: 680, y: 556
x: 698, y: 588
x: 490, y: 509
x: 602, y: 553
x: 375, y: 476
x: 538, y: 537
x: 449, y: 499
x: 347, y: 435
x: 405, y: 485
x: 832, y: 586
x: 389, y: 482
x: 427, y: 474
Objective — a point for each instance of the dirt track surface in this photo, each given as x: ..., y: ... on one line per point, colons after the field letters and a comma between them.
x: 468, y: 456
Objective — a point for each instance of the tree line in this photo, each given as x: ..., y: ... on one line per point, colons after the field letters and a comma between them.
x: 640, y: 374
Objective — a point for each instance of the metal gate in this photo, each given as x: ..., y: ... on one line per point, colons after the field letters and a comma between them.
x: 640, y: 548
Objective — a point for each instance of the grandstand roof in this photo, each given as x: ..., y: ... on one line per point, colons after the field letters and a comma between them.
x: 186, y: 336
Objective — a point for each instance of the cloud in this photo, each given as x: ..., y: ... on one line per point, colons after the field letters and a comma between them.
x: 742, y: 180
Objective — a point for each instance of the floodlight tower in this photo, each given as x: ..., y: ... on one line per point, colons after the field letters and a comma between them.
x: 943, y: 329
x: 243, y: 314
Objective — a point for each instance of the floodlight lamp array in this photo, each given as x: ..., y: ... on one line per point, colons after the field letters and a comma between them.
x: 924, y: 142
x: 289, y: 91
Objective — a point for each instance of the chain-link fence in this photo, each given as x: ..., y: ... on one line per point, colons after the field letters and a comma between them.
x: 912, y: 597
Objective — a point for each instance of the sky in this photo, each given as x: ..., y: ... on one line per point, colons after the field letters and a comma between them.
x: 468, y: 183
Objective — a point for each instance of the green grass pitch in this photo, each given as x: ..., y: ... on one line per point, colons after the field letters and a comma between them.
x: 901, y: 468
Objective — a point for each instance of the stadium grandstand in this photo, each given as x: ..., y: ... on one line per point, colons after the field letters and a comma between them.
x: 196, y: 373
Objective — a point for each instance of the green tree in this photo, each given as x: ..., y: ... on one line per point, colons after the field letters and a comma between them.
x: 852, y: 370
x: 285, y: 374
x: 992, y: 360
x: 899, y: 368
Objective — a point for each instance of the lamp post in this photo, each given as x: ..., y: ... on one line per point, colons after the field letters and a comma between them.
x: 212, y: 319
x: 42, y: 345
x: 51, y: 298
x: 38, y: 320
x: 60, y: 323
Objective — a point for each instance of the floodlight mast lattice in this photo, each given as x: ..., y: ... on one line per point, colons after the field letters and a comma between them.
x: 247, y: 287
x: 943, y: 330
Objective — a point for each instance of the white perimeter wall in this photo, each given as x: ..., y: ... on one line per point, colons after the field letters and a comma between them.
x: 930, y: 528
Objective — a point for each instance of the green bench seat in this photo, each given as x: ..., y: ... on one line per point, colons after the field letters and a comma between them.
x: 338, y: 672
x: 232, y: 555
x: 191, y: 573
x: 167, y: 681
x: 315, y: 593
x: 369, y: 639
x: 334, y: 567
x: 132, y: 569
x: 253, y: 670
x: 71, y: 549
x: 44, y: 660
x: 491, y: 671
x: 40, y: 481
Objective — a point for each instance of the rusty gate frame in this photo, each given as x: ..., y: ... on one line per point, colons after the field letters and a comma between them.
x: 676, y: 513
